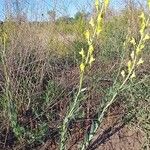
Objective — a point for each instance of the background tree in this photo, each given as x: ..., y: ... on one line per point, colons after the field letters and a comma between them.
x: 52, y: 15
x: 15, y: 10
x: 81, y: 15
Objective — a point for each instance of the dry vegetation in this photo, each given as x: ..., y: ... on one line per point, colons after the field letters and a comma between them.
x: 41, y: 72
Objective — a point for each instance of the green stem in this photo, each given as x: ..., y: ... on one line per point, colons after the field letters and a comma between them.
x: 70, y: 114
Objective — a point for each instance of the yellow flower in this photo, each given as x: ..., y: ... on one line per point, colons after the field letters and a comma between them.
x: 133, y: 41
x: 133, y: 75
x: 142, y: 46
x: 132, y: 55
x: 140, y: 61
x: 91, y: 60
x: 139, y: 49
x: 129, y: 66
x: 147, y: 37
x: 123, y: 73
x: 82, y: 53
x: 82, y: 67
x: 99, y: 22
x: 143, y: 23
x: 148, y: 1
x: 87, y: 35
x: 91, y: 49
x: 97, y: 4
x: 106, y: 3
x: 91, y: 22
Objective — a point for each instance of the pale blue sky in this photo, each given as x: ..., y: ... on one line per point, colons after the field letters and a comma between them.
x: 64, y: 7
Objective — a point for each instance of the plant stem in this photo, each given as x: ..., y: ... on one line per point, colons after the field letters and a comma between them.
x: 70, y: 114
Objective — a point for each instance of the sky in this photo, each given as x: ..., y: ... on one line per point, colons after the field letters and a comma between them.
x: 37, y: 9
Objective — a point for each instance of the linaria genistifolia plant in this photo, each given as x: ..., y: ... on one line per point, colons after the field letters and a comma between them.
x: 87, y: 60
x: 134, y: 62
